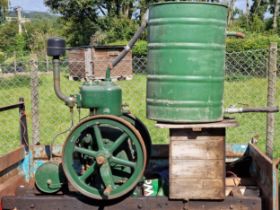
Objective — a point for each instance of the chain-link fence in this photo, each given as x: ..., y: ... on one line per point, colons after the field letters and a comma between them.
x: 245, y: 86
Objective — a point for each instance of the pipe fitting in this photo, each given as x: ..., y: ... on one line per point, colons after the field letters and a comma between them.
x: 236, y: 34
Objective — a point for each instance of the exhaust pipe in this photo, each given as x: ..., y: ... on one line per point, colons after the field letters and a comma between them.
x: 132, y: 42
x: 56, y: 48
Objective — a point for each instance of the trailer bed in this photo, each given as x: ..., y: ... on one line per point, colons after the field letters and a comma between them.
x: 253, y: 187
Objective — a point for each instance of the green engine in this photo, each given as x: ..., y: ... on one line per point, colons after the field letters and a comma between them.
x: 101, y: 97
x: 105, y: 154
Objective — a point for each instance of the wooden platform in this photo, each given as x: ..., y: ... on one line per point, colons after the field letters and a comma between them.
x: 230, y: 122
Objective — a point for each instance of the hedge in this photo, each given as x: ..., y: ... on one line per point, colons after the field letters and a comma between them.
x: 251, y: 42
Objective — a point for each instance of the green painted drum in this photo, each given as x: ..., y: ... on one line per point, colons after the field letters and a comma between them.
x: 186, y: 56
x: 49, y: 177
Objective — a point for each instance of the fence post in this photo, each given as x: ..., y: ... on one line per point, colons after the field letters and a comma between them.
x: 35, y: 99
x: 15, y: 61
x: 271, y: 92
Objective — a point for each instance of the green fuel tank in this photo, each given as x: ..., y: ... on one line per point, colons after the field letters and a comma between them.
x: 186, y: 56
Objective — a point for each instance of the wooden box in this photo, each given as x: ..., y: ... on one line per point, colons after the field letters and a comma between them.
x: 197, y: 163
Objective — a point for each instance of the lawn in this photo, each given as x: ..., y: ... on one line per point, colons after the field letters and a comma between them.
x: 55, y: 117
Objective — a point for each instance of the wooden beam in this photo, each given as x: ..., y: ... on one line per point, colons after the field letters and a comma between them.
x: 9, y: 186
x: 12, y: 158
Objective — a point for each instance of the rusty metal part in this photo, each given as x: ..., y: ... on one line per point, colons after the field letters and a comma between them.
x: 23, y: 125
x: 13, y: 106
x: 107, y: 190
x: 10, y: 176
x: 100, y: 160
x: 158, y: 151
x: 235, y: 34
x: 265, y: 172
x: 11, y: 158
x: 131, y: 203
x: 9, y: 186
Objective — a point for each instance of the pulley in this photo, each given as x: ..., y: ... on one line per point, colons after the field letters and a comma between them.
x: 104, y: 157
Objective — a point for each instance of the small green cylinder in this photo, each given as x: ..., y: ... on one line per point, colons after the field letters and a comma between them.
x: 49, y: 177
x: 186, y: 56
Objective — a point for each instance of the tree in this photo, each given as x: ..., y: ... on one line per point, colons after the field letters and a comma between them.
x: 8, y: 33
x: 275, y: 10
x: 259, y: 7
x: 230, y: 11
x: 247, y: 13
x: 4, y: 5
x: 257, y: 11
x: 38, y: 31
x: 86, y: 18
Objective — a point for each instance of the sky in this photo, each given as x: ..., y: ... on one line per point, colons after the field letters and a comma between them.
x: 38, y: 5
x: 33, y: 5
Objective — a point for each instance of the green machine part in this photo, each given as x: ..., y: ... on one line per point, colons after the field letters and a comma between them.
x: 49, y: 177
x: 104, y: 157
x: 186, y: 59
x: 102, y: 97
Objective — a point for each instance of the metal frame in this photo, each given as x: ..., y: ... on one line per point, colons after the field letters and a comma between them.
x: 22, y: 121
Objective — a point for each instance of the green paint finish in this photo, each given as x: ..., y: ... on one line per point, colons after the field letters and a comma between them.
x: 49, y: 177
x: 104, y: 97
x: 142, y: 129
x: 186, y: 62
x: 120, y: 146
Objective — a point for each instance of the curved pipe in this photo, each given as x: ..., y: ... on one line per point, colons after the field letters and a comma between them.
x: 131, y: 42
x: 69, y: 101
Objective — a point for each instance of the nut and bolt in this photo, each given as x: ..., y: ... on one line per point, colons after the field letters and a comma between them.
x: 100, y: 160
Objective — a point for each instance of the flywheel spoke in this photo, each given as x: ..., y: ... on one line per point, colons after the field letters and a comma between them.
x: 85, y: 151
x: 118, y: 142
x: 88, y: 172
x: 123, y: 162
x: 106, y: 174
x: 98, y: 136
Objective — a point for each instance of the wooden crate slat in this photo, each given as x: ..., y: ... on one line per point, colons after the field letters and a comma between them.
x: 12, y: 158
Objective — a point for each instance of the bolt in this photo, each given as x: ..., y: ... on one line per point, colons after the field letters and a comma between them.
x: 108, y: 190
x: 100, y: 160
x: 139, y: 206
x: 32, y: 206
x: 231, y: 207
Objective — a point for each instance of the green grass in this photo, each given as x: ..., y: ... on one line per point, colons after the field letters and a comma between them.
x: 55, y: 116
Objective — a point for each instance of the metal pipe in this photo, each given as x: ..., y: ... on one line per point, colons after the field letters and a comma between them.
x: 69, y: 100
x: 233, y: 110
x: 131, y: 42
x: 236, y: 34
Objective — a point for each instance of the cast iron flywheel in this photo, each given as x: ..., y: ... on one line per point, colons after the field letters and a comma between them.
x: 104, y: 157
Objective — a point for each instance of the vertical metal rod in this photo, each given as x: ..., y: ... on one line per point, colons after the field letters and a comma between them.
x: 271, y: 93
x: 23, y: 126
x: 35, y: 100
